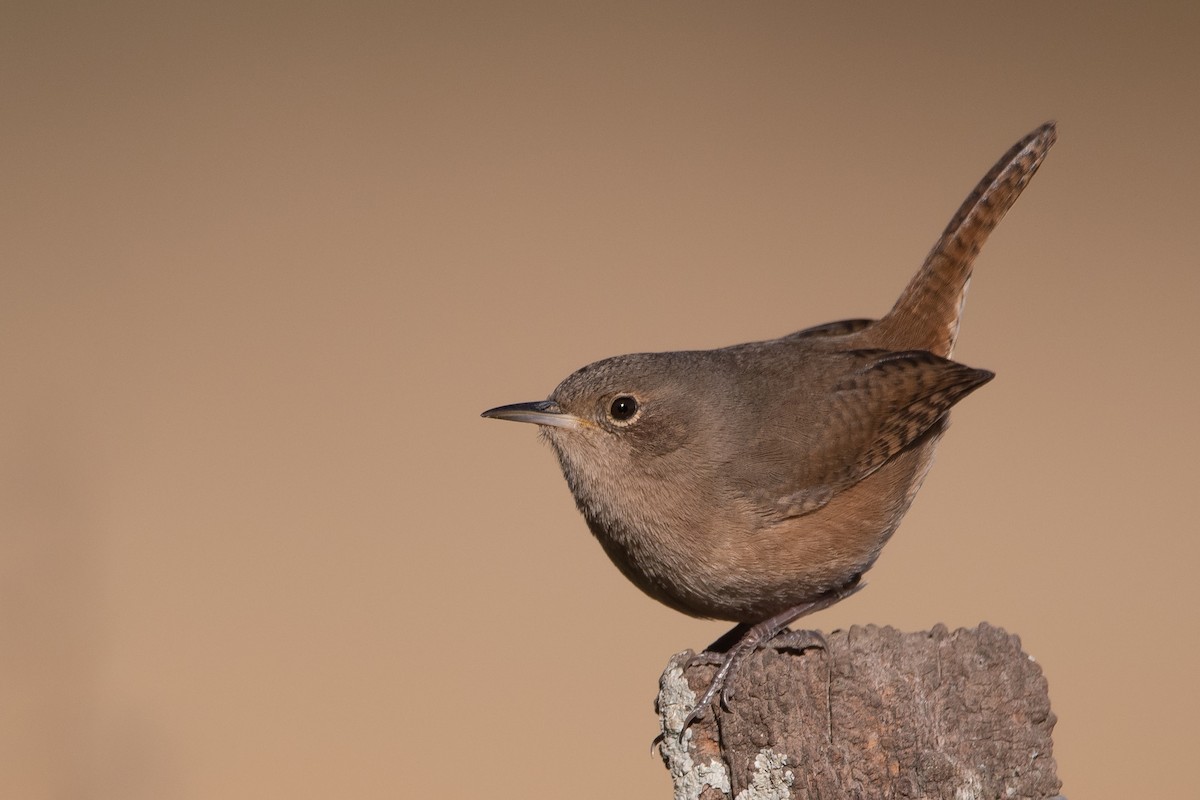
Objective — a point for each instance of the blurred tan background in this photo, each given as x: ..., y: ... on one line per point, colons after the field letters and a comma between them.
x: 262, y: 267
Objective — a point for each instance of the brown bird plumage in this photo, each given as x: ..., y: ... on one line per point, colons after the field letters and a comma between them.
x: 758, y: 482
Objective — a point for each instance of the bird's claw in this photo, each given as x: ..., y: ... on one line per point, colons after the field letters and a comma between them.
x: 719, y: 689
x: 798, y: 641
x: 705, y: 658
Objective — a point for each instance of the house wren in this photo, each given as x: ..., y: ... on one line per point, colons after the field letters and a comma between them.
x: 758, y: 482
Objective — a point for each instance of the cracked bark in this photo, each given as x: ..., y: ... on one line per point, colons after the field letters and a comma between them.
x: 880, y: 713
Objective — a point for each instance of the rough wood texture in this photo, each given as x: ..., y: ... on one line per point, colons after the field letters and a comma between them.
x: 879, y: 714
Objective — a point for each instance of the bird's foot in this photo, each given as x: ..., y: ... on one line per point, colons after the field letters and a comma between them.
x: 798, y: 641
x: 728, y: 663
x: 731, y: 650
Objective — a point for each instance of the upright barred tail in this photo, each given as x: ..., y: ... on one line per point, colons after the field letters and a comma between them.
x: 927, y: 314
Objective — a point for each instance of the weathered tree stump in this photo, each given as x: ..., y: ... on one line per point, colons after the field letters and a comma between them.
x: 878, y: 714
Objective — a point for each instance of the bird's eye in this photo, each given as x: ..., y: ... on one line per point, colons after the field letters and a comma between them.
x: 623, y: 408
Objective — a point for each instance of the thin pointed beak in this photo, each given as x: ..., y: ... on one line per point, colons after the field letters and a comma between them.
x: 543, y: 412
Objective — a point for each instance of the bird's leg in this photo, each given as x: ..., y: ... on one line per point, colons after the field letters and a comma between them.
x: 744, y: 639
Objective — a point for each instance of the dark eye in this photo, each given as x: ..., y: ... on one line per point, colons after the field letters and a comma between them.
x: 623, y: 408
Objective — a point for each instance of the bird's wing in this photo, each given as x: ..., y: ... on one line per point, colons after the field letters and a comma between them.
x: 879, y: 405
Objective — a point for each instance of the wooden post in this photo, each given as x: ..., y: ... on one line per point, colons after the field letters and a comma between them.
x: 878, y: 714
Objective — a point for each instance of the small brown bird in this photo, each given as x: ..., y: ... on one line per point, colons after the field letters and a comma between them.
x: 758, y: 482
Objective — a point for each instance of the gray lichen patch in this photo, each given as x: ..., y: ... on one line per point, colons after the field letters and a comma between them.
x: 771, y: 779
x: 675, y: 701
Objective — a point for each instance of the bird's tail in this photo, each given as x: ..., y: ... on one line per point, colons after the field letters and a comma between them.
x: 927, y: 314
